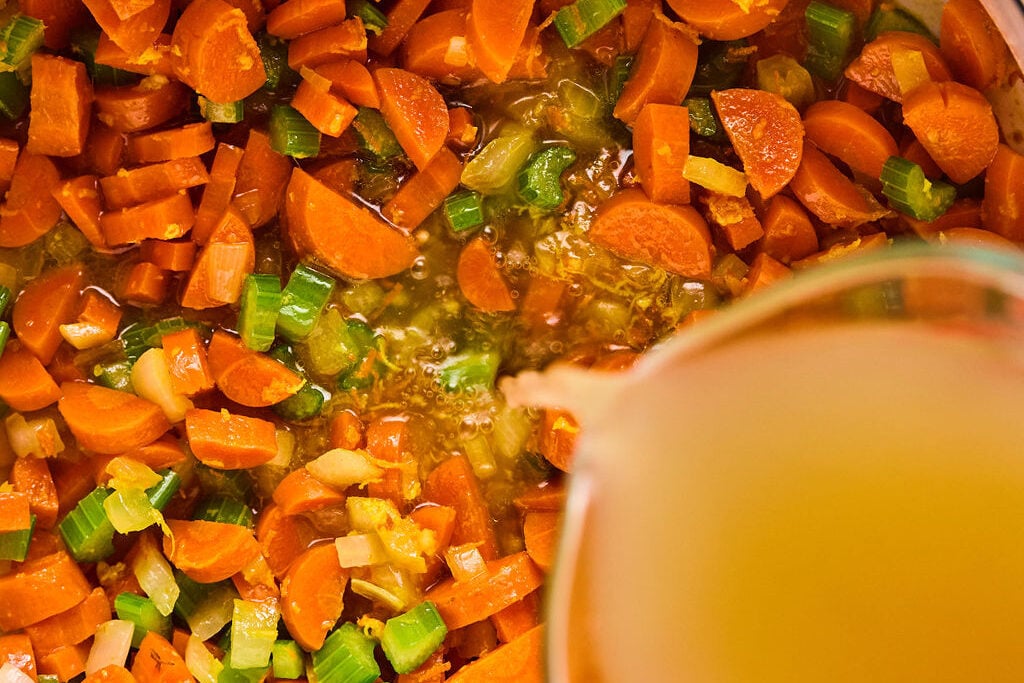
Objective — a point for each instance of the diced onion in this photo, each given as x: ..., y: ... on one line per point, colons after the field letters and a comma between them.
x: 152, y: 381
x: 359, y: 550
x: 341, y: 468
x: 130, y: 473
x: 110, y: 646
x: 715, y: 176
x: 12, y: 674
x: 253, y: 632
x: 130, y: 510
x: 154, y: 575
x: 213, y: 613
x: 200, y: 662
x: 465, y: 561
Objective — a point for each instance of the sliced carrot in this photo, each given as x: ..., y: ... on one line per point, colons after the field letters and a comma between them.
x: 428, y: 48
x: 72, y: 626
x: 453, y: 484
x: 218, y: 191
x: 965, y: 212
x: 24, y: 382
x: 261, y: 180
x: 327, y: 112
x: 830, y: 195
x: 520, y: 661
x: 433, y: 670
x: 955, y: 123
x: 971, y: 44
x: 134, y: 108
x: 517, y: 618
x: 788, y: 233
x: 976, y: 237
x: 229, y: 442
x: 547, y: 497
x: 211, y: 35
x: 727, y: 19
x: 109, y: 421
x: 540, y: 533
x: 65, y: 662
x: 187, y: 362
x: 45, y: 304
x: 16, y: 650
x: 31, y: 476
x: 864, y: 100
x: 311, y: 595
x: 340, y: 175
x: 163, y: 453
x: 60, y: 18
x: 96, y: 323
x: 158, y: 661
x: 494, y: 31
x: 846, y: 247
x: 480, y: 279
x: 144, y: 285
x: 557, y: 437
x: 506, y: 581
x: 166, y: 218
x: 39, y: 589
x: 294, y: 18
x: 9, y: 150
x: 345, y: 40
x: 301, y: 492
x: 346, y: 430
x: 175, y: 256
x: 188, y: 141
x: 402, y: 16
x: 135, y: 33
x: 851, y: 135
x: 80, y: 199
x: 532, y: 60
x: 14, y: 511
x: 208, y: 552
x: 256, y: 582
x: 61, y: 100
x: 352, y: 80
x: 389, y: 439
x: 764, y: 271
x: 156, y: 60
x: 282, y: 538
x: 1003, y: 206
x: 104, y: 149
x: 662, y: 71
x: 734, y: 219
x: 675, y: 238
x: 463, y: 130
x: 249, y: 377
x: 912, y: 150
x: 221, y: 267
x: 424, y: 192
x: 635, y: 20
x: 153, y: 181
x: 660, y: 153
x: 346, y: 237
x: 872, y: 69
x: 29, y: 210
x: 415, y: 112
x: 438, y: 518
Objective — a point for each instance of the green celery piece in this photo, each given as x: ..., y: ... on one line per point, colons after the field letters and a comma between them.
x: 86, y: 531
x: 703, y: 120
x: 302, y: 302
x: 469, y: 370
x: 464, y: 210
x: 540, y: 180
x: 221, y: 112
x: 257, y: 316
x: 115, y: 375
x: 291, y: 134
x: 274, y: 52
x: 5, y: 333
x: 410, y: 638
x: 830, y: 34
x: 225, y: 510
x: 305, y: 404
x: 887, y: 18
x: 373, y: 19
x: 496, y: 164
x: 374, y: 134
x: 909, y: 191
x: 720, y: 65
x: 14, y: 544
x: 253, y: 633
x: 287, y: 660
x: 583, y: 18
x: 144, y: 614
x: 160, y: 494
x: 237, y: 484
x: 19, y: 39
x: 346, y: 657
x: 14, y: 95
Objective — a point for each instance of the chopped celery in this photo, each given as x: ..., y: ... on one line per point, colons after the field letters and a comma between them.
x: 201, y: 663
x: 703, y: 119
x: 86, y: 531
x: 274, y: 52
x: 221, y: 112
x: 291, y: 134
x: 161, y: 493
x: 129, y: 510
x: 410, y: 638
x: 19, y: 38
x: 144, y: 614
x: 374, y: 134
x: 13, y: 95
x: 305, y: 404
x: 5, y: 300
x: 224, y: 510
x: 715, y: 176
x: 720, y: 65
x: 346, y: 657
x: 888, y: 18
x: 830, y: 34
x: 617, y: 76
x: 231, y: 483
x: 302, y: 301
x: 257, y: 315
x: 14, y: 544
x: 332, y: 345
x: 583, y: 18
x: 540, y: 181
x: 496, y: 164
x: 785, y: 76
x: 909, y: 191
x: 137, y: 338
x: 464, y: 210
x: 114, y: 375
x: 373, y: 19
x: 5, y: 333
x: 287, y: 660
x: 471, y: 369
x: 205, y: 607
x: 253, y: 633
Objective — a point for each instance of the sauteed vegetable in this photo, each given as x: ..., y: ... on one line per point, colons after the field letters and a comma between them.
x: 262, y: 265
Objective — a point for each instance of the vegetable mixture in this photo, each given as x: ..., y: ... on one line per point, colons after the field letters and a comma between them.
x: 262, y: 264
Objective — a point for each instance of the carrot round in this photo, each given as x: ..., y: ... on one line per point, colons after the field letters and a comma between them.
x: 110, y: 421
x: 789, y: 234
x: 848, y: 133
x: 32, y: 477
x: 557, y: 439
x: 506, y: 581
x: 327, y: 112
x: 727, y: 19
x: 1003, y: 205
x: 39, y: 589
x: 353, y: 80
x: 389, y: 439
x: 494, y: 32
x: 971, y: 44
x: 134, y: 33
x: 71, y: 626
x: 401, y: 18
x: 453, y: 484
x: 312, y: 595
x: 660, y: 152
x: 872, y: 69
x: 415, y: 112
x: 480, y: 279
x: 225, y: 441
x: 766, y: 132
x: 24, y: 382
x: 301, y: 492
x: 426, y: 190
x: 218, y: 191
x: 61, y: 101
x: 662, y: 71
x: 975, y: 237
x: 249, y: 377
x: 219, y: 57
x: 166, y: 218
x: 152, y: 181
x: 112, y: 673
x: 426, y: 50
x: 344, y: 236
x: 282, y: 537
x: 296, y: 17
x: 208, y: 552
x: 156, y: 60
x: 540, y: 534
x: 29, y: 210
x: 346, y: 40
x: 829, y: 194
x: 187, y: 141
x: 955, y: 124
x: 158, y: 661
x: 45, y: 304
x: 261, y: 179
x: 220, y: 269
x: 675, y: 238
x: 80, y: 199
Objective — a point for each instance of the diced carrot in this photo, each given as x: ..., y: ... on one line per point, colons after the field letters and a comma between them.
x: 872, y: 69
x: 864, y: 100
x: 45, y: 304
x: 31, y: 476
x: 14, y: 511
x: 110, y: 421
x: 433, y: 670
x: 547, y: 497
x: 540, y: 533
x: 24, y: 382
x: 249, y: 377
x: 558, y: 432
x: 153, y: 181
x: 788, y: 233
x: 402, y: 16
x: 256, y: 583
x: 155, y: 60
x: 463, y: 131
x: 1003, y: 206
x: 208, y: 552
x: 80, y: 199
x: 97, y: 320
x: 221, y: 267
x: 976, y: 237
x: 764, y: 271
x: 60, y: 18
x: 436, y: 48
x: 734, y: 219
x: 506, y: 581
x: 532, y: 60
x: 520, y: 661
x: 965, y: 212
x: 9, y: 150
x: 635, y: 20
x: 453, y: 484
x: 39, y: 589
x: 158, y: 661
x: 517, y: 618
x: 660, y: 153
x: 911, y: 149
x: 345, y: 40
x: 327, y: 112
x: 494, y: 31
x: 846, y: 247
x: 675, y: 238
x: 135, y: 33
x: 662, y: 71
x: 955, y: 123
x: 830, y: 195
x: 438, y: 518
x: 346, y: 237
x: 229, y: 442
x: 188, y: 141
x: 726, y: 19
x: 112, y: 673
x: 129, y: 109
x: 176, y: 256
x: 340, y: 175
x: 218, y: 191
x: 72, y: 626
x: 16, y: 650
x: 311, y: 595
x: 187, y: 362
x: 145, y: 285
x: 480, y: 280
x: 65, y: 662
x: 301, y: 492
x: 415, y: 112
x: 166, y: 218
x: 104, y: 149
x: 352, y: 80
x: 261, y: 180
x: 971, y: 44
x: 851, y: 135
x: 389, y: 439
x: 219, y: 57
x: 346, y: 430
x: 426, y: 190
x: 29, y: 210
x: 282, y: 538
x: 61, y: 100
x: 294, y: 18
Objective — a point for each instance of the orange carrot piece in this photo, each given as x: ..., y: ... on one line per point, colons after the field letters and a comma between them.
x: 229, y: 442
x: 955, y: 124
x: 161, y: 219
x: 155, y: 60
x: 39, y: 589
x: 175, y: 256
x: 426, y: 190
x: 104, y: 149
x: 327, y: 112
x: 971, y: 44
x: 65, y: 662
x: 145, y: 285
x: 480, y: 279
x: 725, y: 19
x: 662, y: 71
x: 345, y: 40
x: 438, y: 518
x: 764, y: 271
x: 218, y: 191
x: 864, y: 100
x: 788, y: 233
x: 660, y: 153
x: 453, y: 484
x: 153, y: 181
x: 31, y: 476
x: 109, y: 421
x: 72, y: 626
x: 249, y: 377
x: 462, y: 128
x: 188, y: 141
x: 352, y: 81
x: 402, y: 16
x: 311, y: 595
x: 187, y: 362
x: 60, y: 18
x: 494, y: 32
x: 547, y: 497
x: 24, y: 382
x: 675, y: 238
x: 8, y: 160
x: 208, y: 552
x: 158, y: 661
x: 433, y: 670
x: 220, y: 270
x: 301, y: 492
x: 61, y: 100
x: 542, y: 304
x: 294, y: 18
x: 1003, y: 205
x: 844, y: 248
x: 532, y: 60
x: 346, y: 430
x: 635, y: 20
x: 557, y: 442
x: 389, y: 439
x: 913, y: 150
x: 80, y: 199
x: 520, y: 661
x: 415, y: 112
x: 16, y: 650
x: 830, y: 195
x: 261, y: 180
x: 209, y: 35
x: 517, y: 618
x: 427, y: 49
x: 112, y: 673
x: 540, y: 532
x: 14, y: 511
x: 135, y: 33
x: 346, y: 237
x: 851, y: 135
x: 872, y: 69
x: 735, y: 220
x: 134, y: 108
x: 965, y: 212
x: 282, y: 538
x: 506, y: 581
x: 45, y: 304
x: 29, y: 210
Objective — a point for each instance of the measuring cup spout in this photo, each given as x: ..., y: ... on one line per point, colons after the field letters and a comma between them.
x: 585, y: 393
